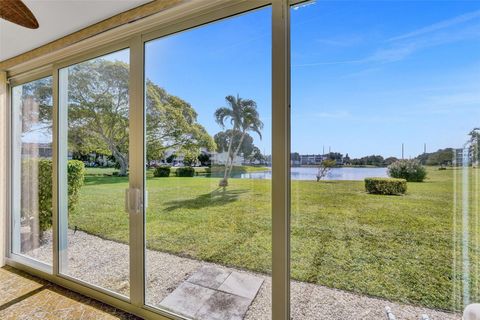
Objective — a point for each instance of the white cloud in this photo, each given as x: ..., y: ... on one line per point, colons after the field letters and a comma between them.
x: 401, y: 47
x: 438, y: 26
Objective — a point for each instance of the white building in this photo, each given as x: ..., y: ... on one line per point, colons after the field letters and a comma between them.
x: 220, y: 158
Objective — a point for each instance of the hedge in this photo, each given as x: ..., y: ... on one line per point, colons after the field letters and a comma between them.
x: 162, y: 171
x: 410, y: 170
x: 185, y: 172
x: 388, y: 186
x: 76, y: 174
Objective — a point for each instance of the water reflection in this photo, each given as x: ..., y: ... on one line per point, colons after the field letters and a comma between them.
x: 311, y: 174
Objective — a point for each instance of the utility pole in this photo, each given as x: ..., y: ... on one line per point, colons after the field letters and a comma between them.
x: 329, y: 150
x: 424, y: 148
x: 323, y: 150
x: 403, y: 150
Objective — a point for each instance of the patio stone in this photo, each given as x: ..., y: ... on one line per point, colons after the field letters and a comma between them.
x: 224, y: 306
x: 214, y: 293
x: 209, y: 276
x: 242, y: 284
x: 187, y: 299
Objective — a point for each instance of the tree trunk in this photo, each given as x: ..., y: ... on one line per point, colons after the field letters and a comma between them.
x: 224, y: 181
x: 123, y: 168
x: 236, y: 152
x: 122, y: 161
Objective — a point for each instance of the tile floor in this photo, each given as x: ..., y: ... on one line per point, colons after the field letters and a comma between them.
x: 26, y: 297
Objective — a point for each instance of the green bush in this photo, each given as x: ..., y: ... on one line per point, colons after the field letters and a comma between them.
x: 185, y: 172
x: 391, y: 186
x: 76, y: 174
x: 162, y: 171
x: 410, y: 170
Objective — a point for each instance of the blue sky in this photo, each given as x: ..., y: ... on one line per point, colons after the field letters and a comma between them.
x: 367, y: 76
x: 205, y: 64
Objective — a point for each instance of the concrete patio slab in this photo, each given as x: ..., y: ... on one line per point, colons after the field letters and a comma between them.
x: 209, y: 276
x: 187, y: 299
x: 222, y: 306
x: 201, y: 296
x: 242, y: 284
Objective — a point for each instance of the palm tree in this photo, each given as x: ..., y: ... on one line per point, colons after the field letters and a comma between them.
x: 244, y: 117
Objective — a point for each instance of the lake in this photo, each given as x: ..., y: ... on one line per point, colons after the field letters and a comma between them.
x: 305, y: 173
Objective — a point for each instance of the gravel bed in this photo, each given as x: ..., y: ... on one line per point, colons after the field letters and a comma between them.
x: 106, y: 264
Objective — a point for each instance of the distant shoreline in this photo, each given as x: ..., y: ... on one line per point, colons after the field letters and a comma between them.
x: 339, y: 166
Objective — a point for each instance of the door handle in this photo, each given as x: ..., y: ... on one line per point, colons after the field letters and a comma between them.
x: 133, y: 201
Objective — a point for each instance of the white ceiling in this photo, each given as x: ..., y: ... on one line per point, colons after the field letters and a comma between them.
x: 57, y: 18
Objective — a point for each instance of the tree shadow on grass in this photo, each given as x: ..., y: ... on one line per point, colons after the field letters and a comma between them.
x: 99, y: 180
x: 217, y: 197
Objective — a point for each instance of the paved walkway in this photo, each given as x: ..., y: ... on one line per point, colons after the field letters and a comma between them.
x: 105, y: 263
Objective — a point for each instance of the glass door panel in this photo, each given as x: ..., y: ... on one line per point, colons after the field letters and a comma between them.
x: 31, y: 227
x: 208, y: 147
x: 93, y: 167
x: 374, y: 97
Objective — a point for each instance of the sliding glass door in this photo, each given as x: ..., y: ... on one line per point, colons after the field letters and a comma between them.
x: 31, y: 192
x: 376, y: 97
x: 93, y: 171
x: 142, y: 170
x: 157, y: 172
x: 208, y: 147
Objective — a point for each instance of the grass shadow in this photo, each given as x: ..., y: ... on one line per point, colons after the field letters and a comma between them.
x: 217, y: 197
x: 99, y: 180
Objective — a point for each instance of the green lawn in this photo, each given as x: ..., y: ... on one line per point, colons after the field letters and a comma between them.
x: 397, y: 247
x: 99, y: 171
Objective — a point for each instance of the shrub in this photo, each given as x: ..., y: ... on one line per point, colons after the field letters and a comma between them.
x: 391, y: 186
x: 76, y: 174
x: 185, y: 172
x: 410, y: 170
x: 162, y: 171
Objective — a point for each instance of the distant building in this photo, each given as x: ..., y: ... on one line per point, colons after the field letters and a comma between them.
x: 295, y: 160
x: 311, y: 159
x: 220, y: 158
x: 268, y: 160
x: 37, y: 150
x: 462, y: 157
x: 315, y: 159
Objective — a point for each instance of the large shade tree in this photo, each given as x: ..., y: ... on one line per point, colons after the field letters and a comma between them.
x: 37, y: 102
x: 222, y: 140
x: 98, y: 114
x: 98, y: 109
x: 172, y: 124
x: 257, y: 155
x: 242, y: 115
